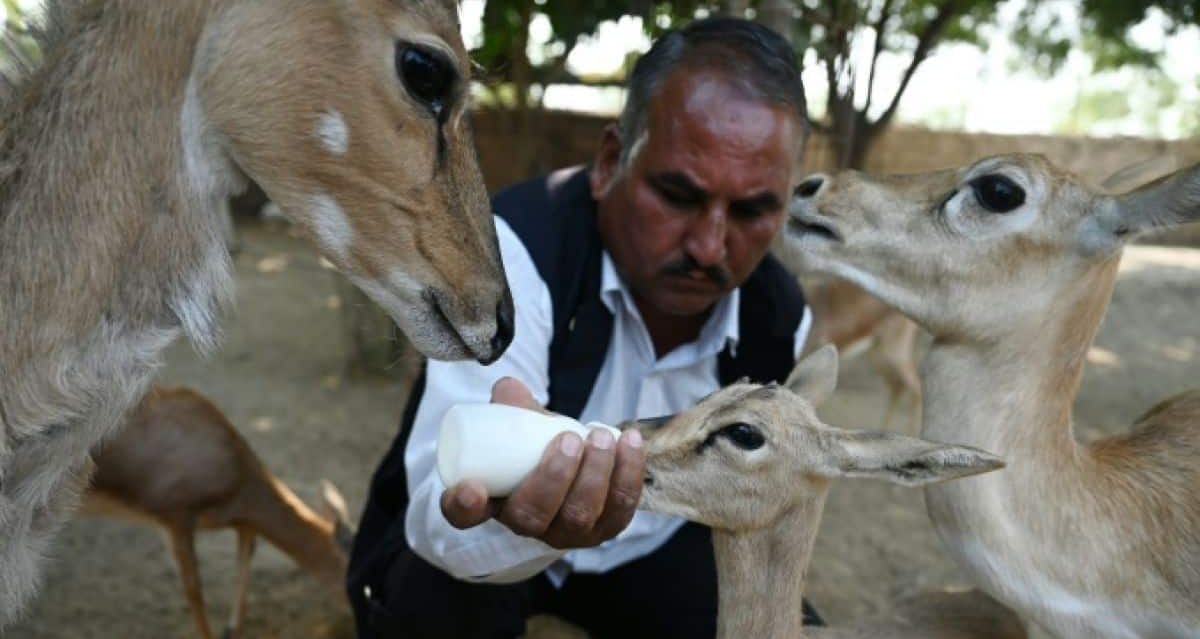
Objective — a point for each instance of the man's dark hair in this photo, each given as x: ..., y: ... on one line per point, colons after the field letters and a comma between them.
x: 757, y: 60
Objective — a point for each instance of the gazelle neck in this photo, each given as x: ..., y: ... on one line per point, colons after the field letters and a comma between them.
x: 762, y: 574
x: 290, y: 525
x: 103, y: 203
x: 109, y: 244
x: 1014, y: 395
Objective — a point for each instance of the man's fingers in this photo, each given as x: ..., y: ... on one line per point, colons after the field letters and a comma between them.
x: 509, y: 390
x: 625, y: 489
x: 531, y: 508
x: 585, y: 500
x: 466, y: 504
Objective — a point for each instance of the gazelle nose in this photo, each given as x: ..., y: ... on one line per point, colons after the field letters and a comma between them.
x: 809, y: 186
x: 504, y: 327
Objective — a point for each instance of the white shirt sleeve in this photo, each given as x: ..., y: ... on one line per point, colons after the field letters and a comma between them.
x: 802, y: 331
x: 489, y: 552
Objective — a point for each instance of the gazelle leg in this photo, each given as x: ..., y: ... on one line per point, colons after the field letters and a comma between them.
x: 181, y: 539
x: 892, y: 353
x: 237, y: 615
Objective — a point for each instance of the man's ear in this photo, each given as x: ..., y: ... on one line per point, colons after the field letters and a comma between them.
x: 607, y: 161
x: 815, y: 377
x: 908, y: 461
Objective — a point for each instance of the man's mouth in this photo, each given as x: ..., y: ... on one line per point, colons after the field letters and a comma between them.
x: 801, y: 224
x: 695, y: 282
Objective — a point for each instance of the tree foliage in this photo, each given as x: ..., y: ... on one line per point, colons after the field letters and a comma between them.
x: 909, y: 29
x: 1102, y: 30
x: 856, y: 110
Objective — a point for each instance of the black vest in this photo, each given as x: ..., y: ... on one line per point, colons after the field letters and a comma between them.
x: 555, y: 218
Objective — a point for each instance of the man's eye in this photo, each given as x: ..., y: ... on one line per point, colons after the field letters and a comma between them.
x: 746, y: 212
x: 675, y: 198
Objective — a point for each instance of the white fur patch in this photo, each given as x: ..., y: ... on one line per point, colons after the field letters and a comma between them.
x: 333, y: 132
x: 1068, y: 614
x: 196, y: 166
x: 208, y: 290
x: 402, y: 281
x: 331, y: 226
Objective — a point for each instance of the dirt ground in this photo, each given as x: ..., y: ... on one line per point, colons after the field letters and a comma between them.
x: 279, y: 375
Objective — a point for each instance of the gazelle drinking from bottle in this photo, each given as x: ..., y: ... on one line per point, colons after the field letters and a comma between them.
x: 755, y: 463
x: 1010, y: 263
x: 115, y: 151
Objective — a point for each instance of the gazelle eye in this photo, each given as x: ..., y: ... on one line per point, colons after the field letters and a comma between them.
x: 997, y: 193
x: 743, y: 436
x: 427, y: 75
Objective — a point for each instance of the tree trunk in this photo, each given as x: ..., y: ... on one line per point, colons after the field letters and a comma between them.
x: 736, y: 7
x: 779, y: 15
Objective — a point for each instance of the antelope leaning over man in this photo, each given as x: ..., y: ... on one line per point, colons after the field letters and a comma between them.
x: 117, y: 150
x: 1010, y: 263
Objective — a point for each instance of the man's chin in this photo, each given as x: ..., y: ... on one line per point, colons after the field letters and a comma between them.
x: 685, y: 304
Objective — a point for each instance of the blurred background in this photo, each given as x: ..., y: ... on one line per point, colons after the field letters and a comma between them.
x: 315, y: 378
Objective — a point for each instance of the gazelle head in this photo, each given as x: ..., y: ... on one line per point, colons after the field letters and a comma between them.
x: 748, y: 453
x: 994, y: 246
x: 352, y: 116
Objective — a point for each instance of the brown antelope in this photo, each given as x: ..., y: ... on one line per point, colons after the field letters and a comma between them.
x: 115, y: 151
x: 754, y: 463
x: 846, y: 316
x: 1010, y: 263
x: 178, y: 463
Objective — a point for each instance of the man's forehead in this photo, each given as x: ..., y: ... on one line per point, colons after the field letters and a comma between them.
x: 710, y: 90
x: 702, y: 108
x: 685, y: 143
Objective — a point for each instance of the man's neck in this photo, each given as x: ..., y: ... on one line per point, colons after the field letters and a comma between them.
x: 669, y: 331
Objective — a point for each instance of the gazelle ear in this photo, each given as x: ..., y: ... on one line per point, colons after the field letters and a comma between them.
x: 1141, y: 172
x: 815, y: 376
x: 1167, y: 201
x: 903, y: 460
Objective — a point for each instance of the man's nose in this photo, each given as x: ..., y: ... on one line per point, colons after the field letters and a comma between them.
x: 706, y: 241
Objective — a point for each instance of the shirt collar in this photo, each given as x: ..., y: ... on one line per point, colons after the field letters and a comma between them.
x: 721, y: 329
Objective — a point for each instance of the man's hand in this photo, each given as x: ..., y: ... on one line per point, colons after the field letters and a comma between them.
x: 583, y: 492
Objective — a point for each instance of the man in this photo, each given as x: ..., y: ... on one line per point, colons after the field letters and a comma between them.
x: 640, y: 286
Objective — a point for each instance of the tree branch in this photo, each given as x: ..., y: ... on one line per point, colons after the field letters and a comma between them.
x: 884, y: 14
x: 925, y: 42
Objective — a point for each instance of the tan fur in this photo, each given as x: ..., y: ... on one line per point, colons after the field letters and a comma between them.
x: 1097, y: 540
x: 764, y: 504
x: 115, y: 154
x: 181, y: 465
x: 845, y: 315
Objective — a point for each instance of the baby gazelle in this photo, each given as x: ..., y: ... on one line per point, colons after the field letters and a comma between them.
x: 754, y: 463
x: 179, y: 463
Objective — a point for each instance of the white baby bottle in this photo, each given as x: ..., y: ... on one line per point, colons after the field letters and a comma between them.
x: 498, y: 444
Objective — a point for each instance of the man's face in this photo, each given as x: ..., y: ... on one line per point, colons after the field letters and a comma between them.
x: 704, y: 192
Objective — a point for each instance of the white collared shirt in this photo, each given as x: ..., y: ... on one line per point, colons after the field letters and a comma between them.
x: 632, y: 384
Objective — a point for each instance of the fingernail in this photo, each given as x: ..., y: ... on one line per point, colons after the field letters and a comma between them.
x: 601, y: 439
x: 466, y: 499
x: 633, y: 437
x: 570, y: 444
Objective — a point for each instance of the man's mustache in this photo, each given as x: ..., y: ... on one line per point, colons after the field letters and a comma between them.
x: 686, y: 266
